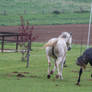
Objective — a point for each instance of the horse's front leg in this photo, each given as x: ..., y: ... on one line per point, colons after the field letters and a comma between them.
x: 62, y: 63
x: 80, y: 73
x: 58, y: 68
x: 61, y: 77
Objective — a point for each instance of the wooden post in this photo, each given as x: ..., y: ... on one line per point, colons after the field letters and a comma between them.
x: 2, y: 47
x: 17, y: 43
x: 28, y: 54
x: 89, y: 28
x: 30, y: 46
x: 4, y: 13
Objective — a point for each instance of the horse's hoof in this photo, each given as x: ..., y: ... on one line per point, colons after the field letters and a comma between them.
x: 49, y: 64
x: 91, y: 75
x: 61, y: 78
x: 57, y: 76
x: 48, y: 76
x: 51, y: 72
x: 78, y: 83
x: 65, y: 65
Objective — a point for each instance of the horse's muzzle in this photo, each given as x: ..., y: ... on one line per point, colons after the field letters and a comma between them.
x: 69, y: 48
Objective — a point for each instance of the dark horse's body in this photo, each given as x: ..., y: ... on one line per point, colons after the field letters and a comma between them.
x: 83, y: 60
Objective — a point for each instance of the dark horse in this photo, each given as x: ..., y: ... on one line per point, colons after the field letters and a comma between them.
x: 83, y: 60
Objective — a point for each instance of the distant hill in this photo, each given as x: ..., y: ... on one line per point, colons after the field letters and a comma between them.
x: 39, y: 10
x: 41, y: 6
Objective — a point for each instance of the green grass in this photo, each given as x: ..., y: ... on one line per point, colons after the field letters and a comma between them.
x: 37, y: 81
x: 66, y: 18
x: 39, y: 12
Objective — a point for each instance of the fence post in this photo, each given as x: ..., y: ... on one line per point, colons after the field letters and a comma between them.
x: 17, y: 43
x: 89, y: 26
x: 4, y: 13
x: 28, y: 53
x: 2, y: 47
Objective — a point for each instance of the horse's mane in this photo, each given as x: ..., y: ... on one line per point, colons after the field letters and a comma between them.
x: 64, y: 35
x: 50, y: 44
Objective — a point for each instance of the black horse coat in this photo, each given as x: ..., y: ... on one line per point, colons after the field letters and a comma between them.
x: 85, y: 58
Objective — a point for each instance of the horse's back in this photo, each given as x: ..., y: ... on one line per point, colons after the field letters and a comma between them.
x: 52, y: 40
x: 49, y: 48
x: 48, y: 51
x: 60, y: 48
x: 61, y: 43
x: 88, y: 53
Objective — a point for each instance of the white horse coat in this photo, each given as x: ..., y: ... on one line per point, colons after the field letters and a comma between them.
x: 57, y: 48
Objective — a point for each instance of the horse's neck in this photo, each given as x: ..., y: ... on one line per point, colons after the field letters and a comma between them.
x: 65, y: 39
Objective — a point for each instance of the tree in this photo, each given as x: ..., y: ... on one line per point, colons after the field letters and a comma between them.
x: 26, y: 37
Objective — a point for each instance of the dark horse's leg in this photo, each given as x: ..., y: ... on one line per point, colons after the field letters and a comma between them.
x: 80, y: 73
x: 64, y: 61
x: 65, y: 64
x: 91, y: 75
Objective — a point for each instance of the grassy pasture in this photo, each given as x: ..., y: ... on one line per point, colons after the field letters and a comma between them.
x: 39, y: 12
x: 35, y: 80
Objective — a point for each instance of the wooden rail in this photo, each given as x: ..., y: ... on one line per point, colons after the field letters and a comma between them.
x: 9, y: 34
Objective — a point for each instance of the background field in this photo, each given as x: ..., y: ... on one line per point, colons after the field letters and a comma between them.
x: 40, y: 12
x: 35, y: 79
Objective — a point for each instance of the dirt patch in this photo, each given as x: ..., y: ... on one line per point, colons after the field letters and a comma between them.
x: 75, y: 71
x: 90, y: 80
x: 21, y: 72
x: 15, y: 72
x: 79, y: 32
x: 26, y: 72
x: 57, y: 85
x: 20, y: 75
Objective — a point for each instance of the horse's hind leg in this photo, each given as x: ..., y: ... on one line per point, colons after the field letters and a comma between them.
x: 91, y: 75
x: 52, y: 71
x: 49, y: 65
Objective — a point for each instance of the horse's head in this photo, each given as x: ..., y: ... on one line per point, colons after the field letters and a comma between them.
x: 68, y: 38
x: 69, y: 41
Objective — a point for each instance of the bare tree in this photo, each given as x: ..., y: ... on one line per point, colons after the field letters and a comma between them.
x: 26, y: 38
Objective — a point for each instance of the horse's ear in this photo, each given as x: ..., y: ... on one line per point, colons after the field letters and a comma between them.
x: 71, y: 33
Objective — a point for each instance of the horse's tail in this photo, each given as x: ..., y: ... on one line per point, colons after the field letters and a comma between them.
x: 50, y: 44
